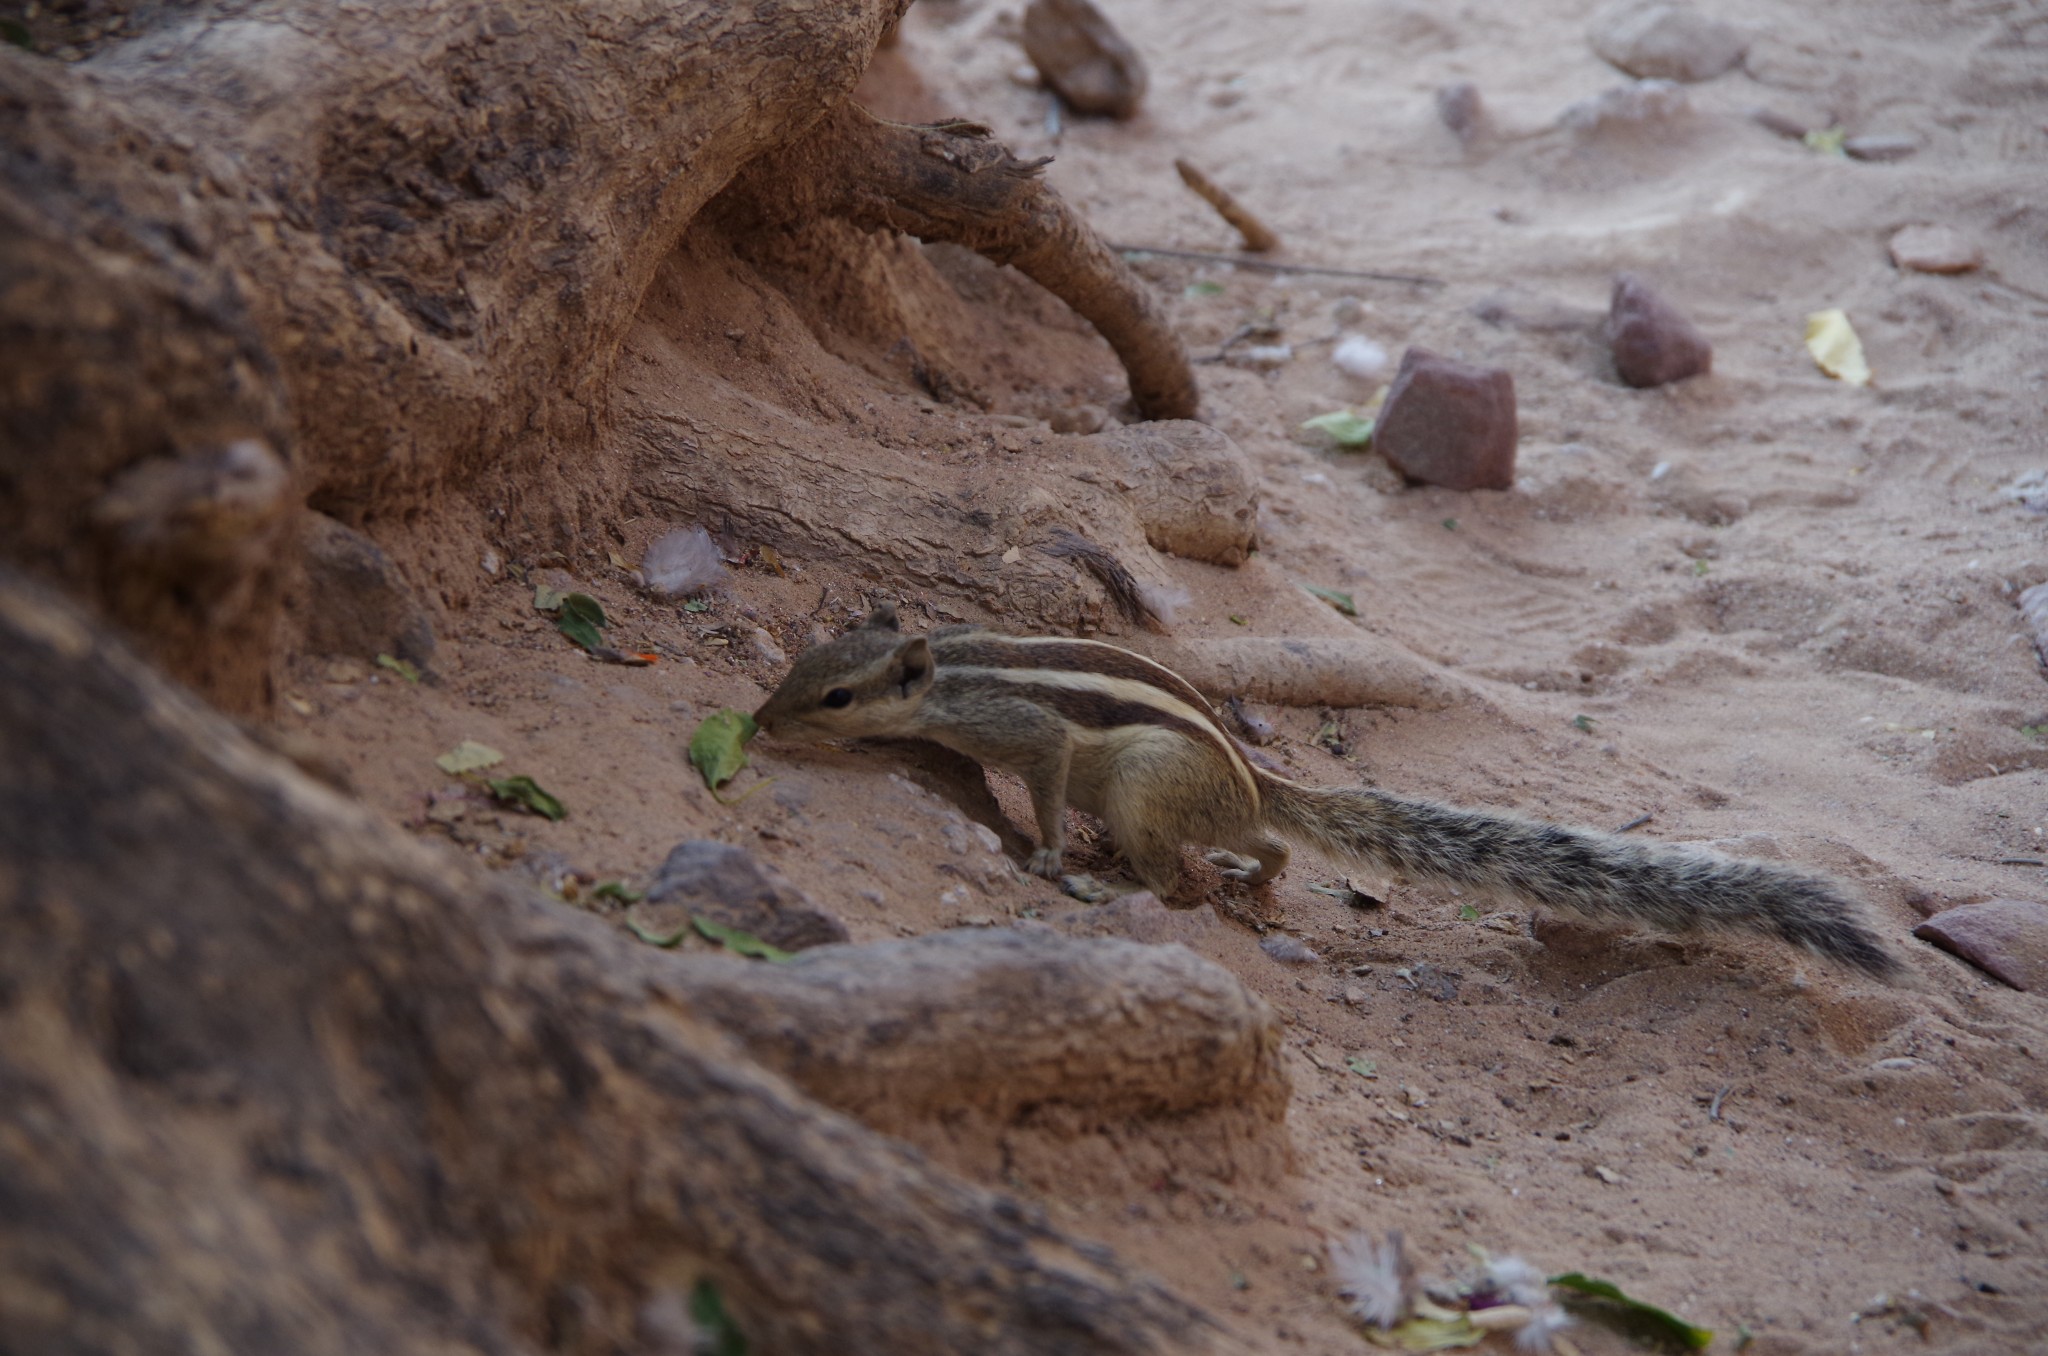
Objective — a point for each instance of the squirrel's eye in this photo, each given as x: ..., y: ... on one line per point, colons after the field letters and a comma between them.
x: 838, y: 696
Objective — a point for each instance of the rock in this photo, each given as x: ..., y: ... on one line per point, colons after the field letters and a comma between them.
x: 1666, y: 42
x: 1879, y: 147
x: 1449, y: 423
x: 1935, y: 249
x: 356, y: 603
x: 1653, y: 342
x: 2005, y: 938
x: 1781, y: 123
x: 1461, y: 109
x: 727, y: 885
x: 1083, y: 57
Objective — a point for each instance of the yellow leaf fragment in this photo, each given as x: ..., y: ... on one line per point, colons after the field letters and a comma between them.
x: 1835, y: 347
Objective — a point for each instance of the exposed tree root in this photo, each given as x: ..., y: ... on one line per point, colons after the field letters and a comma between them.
x: 277, y: 1078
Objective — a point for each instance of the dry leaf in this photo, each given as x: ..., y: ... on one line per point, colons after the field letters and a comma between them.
x: 1834, y: 345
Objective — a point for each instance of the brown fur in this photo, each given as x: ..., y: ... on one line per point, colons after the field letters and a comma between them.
x: 1115, y: 735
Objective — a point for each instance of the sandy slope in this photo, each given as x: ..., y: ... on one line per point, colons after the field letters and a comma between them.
x: 1784, y: 605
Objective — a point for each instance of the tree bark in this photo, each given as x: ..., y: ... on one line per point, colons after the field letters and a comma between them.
x: 274, y: 1077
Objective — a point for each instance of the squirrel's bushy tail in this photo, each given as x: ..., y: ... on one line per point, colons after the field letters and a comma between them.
x: 1598, y: 875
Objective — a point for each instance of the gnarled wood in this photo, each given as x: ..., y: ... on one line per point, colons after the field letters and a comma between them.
x: 274, y: 1077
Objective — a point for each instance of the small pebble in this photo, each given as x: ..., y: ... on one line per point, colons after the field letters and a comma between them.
x: 1652, y: 340
x: 765, y: 646
x: 1934, y: 249
x: 1263, y: 355
x: 1879, y: 147
x: 1358, y: 356
x: 1461, y: 109
x: 1449, y: 423
x: 1666, y: 41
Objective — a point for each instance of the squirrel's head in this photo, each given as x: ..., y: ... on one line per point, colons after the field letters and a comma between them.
x: 864, y: 683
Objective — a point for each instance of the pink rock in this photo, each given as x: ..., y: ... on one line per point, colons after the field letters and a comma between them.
x: 1652, y: 341
x: 2005, y: 938
x: 1449, y: 423
x: 1934, y: 249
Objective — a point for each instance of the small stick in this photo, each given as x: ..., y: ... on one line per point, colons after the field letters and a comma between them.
x: 1635, y: 823
x: 2022, y: 861
x: 1272, y: 266
x: 1714, y: 1111
x: 1258, y: 237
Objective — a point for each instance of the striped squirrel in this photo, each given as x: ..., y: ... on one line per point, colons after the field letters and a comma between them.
x: 1090, y: 725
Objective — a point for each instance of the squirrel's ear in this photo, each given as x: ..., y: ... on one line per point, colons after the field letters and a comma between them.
x: 883, y: 618
x: 910, y: 668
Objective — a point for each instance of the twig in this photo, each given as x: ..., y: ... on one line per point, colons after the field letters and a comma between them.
x: 2022, y: 861
x: 1258, y: 237
x: 1714, y: 1111
x: 1635, y: 823
x: 1274, y: 266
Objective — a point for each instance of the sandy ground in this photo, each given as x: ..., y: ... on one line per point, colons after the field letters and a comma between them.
x: 1770, y: 611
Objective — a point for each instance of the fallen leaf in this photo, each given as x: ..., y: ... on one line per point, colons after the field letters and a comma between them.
x: 619, y: 890
x: 1834, y: 346
x: 742, y: 943
x: 1236, y: 620
x: 1582, y: 723
x: 1467, y: 913
x: 773, y: 561
x: 617, y: 560
x: 547, y: 598
x: 1827, y: 140
x: 1203, y: 288
x: 1342, y: 427
x: 664, y: 940
x: 468, y: 756
x: 696, y: 605
x: 718, y: 748
x: 403, y: 668
x: 525, y: 792
x: 1341, y: 601
x: 582, y: 620
x: 1604, y: 1302
x: 1429, y: 1334
x: 718, y: 1335
x: 1364, y: 1068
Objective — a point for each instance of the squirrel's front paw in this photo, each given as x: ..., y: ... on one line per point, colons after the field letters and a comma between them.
x: 1045, y: 862
x: 1249, y: 870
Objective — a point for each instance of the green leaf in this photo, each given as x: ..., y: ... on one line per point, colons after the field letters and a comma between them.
x: 582, y: 620
x: 1582, y: 723
x: 1341, y: 601
x: 1236, y: 620
x: 1828, y: 140
x: 619, y: 890
x: 1364, y: 1068
x: 722, y: 1336
x: 1700, y: 568
x: 525, y: 792
x: 1429, y: 1334
x: 696, y: 605
x: 664, y: 940
x: 1203, y: 288
x: 2035, y: 731
x: 718, y: 749
x: 547, y: 598
x: 1604, y: 1302
x: 1342, y: 427
x: 1450, y: 524
x: 742, y: 943
x: 403, y: 668
x: 1467, y: 913
x: 468, y: 756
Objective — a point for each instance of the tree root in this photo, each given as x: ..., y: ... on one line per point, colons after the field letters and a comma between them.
x: 953, y: 182
x: 276, y: 1075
